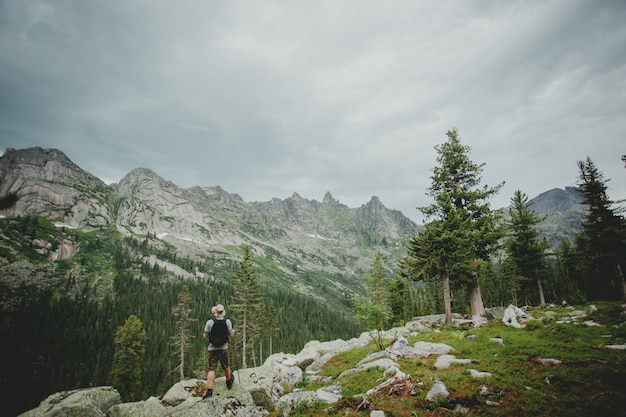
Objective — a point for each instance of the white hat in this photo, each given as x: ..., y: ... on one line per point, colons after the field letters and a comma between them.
x: 218, y: 310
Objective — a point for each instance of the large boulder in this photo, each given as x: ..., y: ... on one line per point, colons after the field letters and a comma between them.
x: 89, y: 402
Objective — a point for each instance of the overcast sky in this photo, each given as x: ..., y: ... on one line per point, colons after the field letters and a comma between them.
x: 268, y: 98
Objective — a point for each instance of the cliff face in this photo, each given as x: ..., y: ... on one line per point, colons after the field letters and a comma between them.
x: 51, y: 185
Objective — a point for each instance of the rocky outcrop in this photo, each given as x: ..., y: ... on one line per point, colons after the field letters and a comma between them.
x: 50, y: 184
x: 92, y: 402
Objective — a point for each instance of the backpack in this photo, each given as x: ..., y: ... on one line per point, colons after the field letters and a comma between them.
x: 219, y: 333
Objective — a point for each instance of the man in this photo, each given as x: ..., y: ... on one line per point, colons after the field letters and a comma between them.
x: 218, y: 347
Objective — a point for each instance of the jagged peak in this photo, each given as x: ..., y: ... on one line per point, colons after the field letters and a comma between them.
x: 36, y: 155
x: 328, y: 198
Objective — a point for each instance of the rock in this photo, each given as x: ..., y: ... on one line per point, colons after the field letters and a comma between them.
x: 377, y: 413
x: 437, y: 392
x: 267, y: 383
x: 92, y: 402
x: 417, y: 326
x: 479, y: 374
x: 549, y: 361
x: 618, y: 347
x: 497, y: 340
x: 400, y: 349
x: 319, y: 363
x: 184, y: 390
x: 331, y: 394
x: 151, y: 407
x: 289, y: 401
x: 427, y: 348
x: 379, y: 363
x: 444, y: 361
x: 510, y: 316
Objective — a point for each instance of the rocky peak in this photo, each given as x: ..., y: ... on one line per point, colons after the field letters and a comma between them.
x: 50, y: 184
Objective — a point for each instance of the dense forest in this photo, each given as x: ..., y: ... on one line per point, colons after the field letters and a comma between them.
x: 61, y: 336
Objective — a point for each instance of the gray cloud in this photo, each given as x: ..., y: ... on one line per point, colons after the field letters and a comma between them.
x: 270, y: 98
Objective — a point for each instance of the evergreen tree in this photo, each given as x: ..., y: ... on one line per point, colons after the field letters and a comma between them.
x: 372, y: 310
x: 400, y: 298
x: 247, y: 298
x: 566, y: 273
x: 130, y: 345
x: 442, y: 249
x: 183, y: 335
x: 524, y: 247
x: 602, y: 242
x: 465, y: 230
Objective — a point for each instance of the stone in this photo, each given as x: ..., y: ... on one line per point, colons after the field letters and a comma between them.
x: 437, y: 392
x: 444, y: 361
x: 479, y: 374
x: 510, y: 316
x: 549, y: 361
x: 93, y: 402
x: 427, y: 348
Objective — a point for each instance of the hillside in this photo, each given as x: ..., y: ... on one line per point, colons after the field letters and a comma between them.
x: 291, y: 236
x: 556, y: 361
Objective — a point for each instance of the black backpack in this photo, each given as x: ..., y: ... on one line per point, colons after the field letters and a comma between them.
x: 219, y: 333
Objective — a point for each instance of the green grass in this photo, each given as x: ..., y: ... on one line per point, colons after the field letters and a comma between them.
x: 589, y: 381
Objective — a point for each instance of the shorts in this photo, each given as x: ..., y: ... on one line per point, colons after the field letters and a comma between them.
x: 218, y: 355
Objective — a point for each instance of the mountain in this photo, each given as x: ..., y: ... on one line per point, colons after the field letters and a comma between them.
x: 301, y: 244
x: 564, y: 212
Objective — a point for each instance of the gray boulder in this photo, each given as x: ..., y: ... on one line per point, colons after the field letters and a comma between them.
x: 437, y: 392
x: 90, y: 402
x: 427, y: 348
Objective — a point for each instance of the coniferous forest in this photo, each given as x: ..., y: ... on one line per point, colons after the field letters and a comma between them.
x: 62, y: 336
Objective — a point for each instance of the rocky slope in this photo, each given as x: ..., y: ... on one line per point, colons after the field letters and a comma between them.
x: 293, y: 236
x: 275, y: 388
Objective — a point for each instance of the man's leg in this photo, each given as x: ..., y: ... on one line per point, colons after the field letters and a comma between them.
x: 210, y: 377
x: 225, y: 362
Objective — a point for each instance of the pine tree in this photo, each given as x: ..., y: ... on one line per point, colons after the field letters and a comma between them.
x: 524, y: 247
x: 465, y: 230
x: 372, y: 310
x: 602, y: 243
x: 399, y: 295
x: 130, y: 345
x: 271, y: 326
x: 247, y: 298
x: 183, y: 335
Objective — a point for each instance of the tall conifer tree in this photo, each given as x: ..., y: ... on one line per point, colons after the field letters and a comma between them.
x: 372, y: 310
x: 183, y: 336
x: 602, y: 242
x: 247, y: 299
x: 130, y: 345
x: 464, y: 231
x: 525, y: 248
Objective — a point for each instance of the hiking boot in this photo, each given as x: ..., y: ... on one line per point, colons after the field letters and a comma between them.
x: 208, y: 394
x: 229, y: 382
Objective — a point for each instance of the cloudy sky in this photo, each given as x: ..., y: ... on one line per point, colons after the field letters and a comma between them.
x: 268, y: 98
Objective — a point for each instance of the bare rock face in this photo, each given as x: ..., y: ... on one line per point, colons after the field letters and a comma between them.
x: 51, y: 185
x: 82, y: 402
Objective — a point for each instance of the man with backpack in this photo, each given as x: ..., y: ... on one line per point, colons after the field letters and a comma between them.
x: 218, y: 330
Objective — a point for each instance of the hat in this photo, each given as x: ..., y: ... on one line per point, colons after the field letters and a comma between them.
x: 218, y: 310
